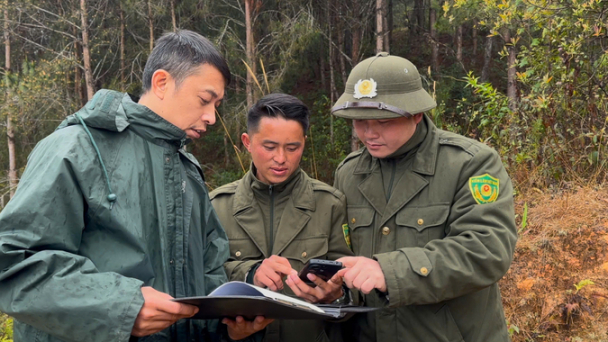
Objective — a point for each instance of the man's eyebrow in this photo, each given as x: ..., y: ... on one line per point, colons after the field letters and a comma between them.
x: 214, y: 94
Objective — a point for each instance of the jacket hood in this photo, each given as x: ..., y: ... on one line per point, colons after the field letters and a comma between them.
x: 114, y: 111
x: 103, y: 111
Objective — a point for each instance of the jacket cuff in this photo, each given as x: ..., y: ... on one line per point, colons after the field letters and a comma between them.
x: 251, y: 273
x: 390, y: 276
x: 124, y: 330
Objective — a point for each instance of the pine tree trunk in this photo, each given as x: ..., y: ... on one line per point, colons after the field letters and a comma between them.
x: 86, y: 56
x: 434, y: 46
x: 122, y: 49
x: 151, y: 25
x: 173, y: 19
x: 250, y: 51
x: 333, y: 93
x: 474, y: 33
x: 77, y: 70
x: 511, y: 71
x: 379, y: 26
x: 10, y: 133
x: 388, y: 24
x: 459, y: 43
x: 487, y: 59
x: 419, y: 4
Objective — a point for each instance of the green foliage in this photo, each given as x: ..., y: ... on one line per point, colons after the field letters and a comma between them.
x: 583, y: 283
x: 512, y: 329
x: 6, y: 328
x: 524, y: 219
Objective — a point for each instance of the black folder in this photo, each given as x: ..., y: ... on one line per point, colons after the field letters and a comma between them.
x: 241, y: 299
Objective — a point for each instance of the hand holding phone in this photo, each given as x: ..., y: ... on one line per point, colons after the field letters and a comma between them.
x: 324, y: 269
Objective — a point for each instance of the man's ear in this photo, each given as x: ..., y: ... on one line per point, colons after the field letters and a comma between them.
x: 246, y: 141
x: 418, y: 117
x: 160, y: 82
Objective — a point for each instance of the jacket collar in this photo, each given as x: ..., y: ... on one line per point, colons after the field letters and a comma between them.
x: 302, y: 194
x: 150, y: 125
x: 425, y: 159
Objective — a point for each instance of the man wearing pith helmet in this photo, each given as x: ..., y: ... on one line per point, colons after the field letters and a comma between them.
x: 430, y: 214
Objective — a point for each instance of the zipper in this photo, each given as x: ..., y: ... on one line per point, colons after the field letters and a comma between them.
x: 271, y: 194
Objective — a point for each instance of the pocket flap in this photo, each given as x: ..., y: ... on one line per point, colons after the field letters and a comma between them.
x: 360, y: 217
x: 421, y: 218
x: 306, y: 249
x: 244, y: 249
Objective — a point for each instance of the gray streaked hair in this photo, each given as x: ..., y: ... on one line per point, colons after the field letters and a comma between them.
x: 180, y: 54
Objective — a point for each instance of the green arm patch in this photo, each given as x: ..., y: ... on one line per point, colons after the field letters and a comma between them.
x: 484, y: 188
x: 346, y: 231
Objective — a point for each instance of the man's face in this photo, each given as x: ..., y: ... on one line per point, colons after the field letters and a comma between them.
x: 276, y: 148
x: 191, y: 107
x: 383, y: 137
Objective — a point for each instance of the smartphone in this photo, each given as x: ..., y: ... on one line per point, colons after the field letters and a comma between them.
x: 324, y: 269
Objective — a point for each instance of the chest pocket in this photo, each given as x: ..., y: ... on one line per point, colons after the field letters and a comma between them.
x: 419, y: 225
x: 244, y: 249
x: 360, y: 221
x: 300, y: 251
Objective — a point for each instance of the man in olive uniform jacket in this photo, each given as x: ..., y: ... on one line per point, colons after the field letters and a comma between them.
x: 430, y: 215
x: 277, y: 217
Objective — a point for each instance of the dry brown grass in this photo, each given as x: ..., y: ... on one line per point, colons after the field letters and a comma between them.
x: 565, y: 242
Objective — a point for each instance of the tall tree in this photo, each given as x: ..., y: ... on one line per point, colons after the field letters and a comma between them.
x: 380, y: 19
x: 459, y: 43
x: 250, y: 51
x: 150, y: 24
x: 10, y: 132
x: 487, y: 59
x: 86, y: 55
x: 434, y: 42
x: 122, y: 48
x: 511, y: 70
x: 173, y: 18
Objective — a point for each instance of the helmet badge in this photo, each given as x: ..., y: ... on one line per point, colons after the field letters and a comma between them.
x: 365, y: 88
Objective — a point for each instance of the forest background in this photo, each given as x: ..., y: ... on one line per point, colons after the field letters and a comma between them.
x: 527, y: 77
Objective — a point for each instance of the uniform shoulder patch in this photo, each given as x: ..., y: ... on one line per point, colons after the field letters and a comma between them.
x: 346, y: 231
x: 317, y: 185
x: 227, y: 189
x: 484, y: 188
x: 351, y: 156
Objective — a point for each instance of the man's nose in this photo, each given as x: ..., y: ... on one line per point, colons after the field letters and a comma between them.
x: 209, y: 116
x: 279, y: 157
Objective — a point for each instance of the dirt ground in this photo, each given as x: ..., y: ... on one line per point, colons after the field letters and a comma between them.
x: 557, y: 286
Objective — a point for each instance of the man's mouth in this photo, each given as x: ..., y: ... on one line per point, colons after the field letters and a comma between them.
x: 196, y: 133
x: 278, y: 171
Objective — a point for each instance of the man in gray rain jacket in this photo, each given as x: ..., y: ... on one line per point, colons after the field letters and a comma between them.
x: 112, y: 218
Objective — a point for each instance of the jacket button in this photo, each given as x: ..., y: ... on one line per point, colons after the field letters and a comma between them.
x: 424, y: 270
x: 304, y: 254
x: 386, y: 231
x: 353, y: 220
x: 420, y: 221
x: 237, y: 254
x: 167, y: 159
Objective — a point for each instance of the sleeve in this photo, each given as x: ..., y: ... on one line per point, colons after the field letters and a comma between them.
x: 44, y: 283
x: 236, y: 270
x: 476, y: 252
x: 339, y: 237
x: 340, y: 245
x: 215, y: 254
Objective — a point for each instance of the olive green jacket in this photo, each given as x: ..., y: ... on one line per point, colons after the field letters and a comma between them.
x: 442, y: 253
x: 311, y: 227
x: 72, y: 262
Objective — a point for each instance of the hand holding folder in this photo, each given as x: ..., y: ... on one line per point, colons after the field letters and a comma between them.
x: 236, y: 298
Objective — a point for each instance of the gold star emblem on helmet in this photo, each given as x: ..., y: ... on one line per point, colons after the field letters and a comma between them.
x: 365, y: 88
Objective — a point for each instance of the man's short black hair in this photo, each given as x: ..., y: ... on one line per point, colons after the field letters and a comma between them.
x: 180, y: 54
x: 278, y: 105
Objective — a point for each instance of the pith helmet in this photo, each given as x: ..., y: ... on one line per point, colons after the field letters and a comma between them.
x: 383, y: 87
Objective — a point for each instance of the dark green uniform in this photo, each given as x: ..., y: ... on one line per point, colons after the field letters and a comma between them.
x: 298, y: 219
x: 438, y: 217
